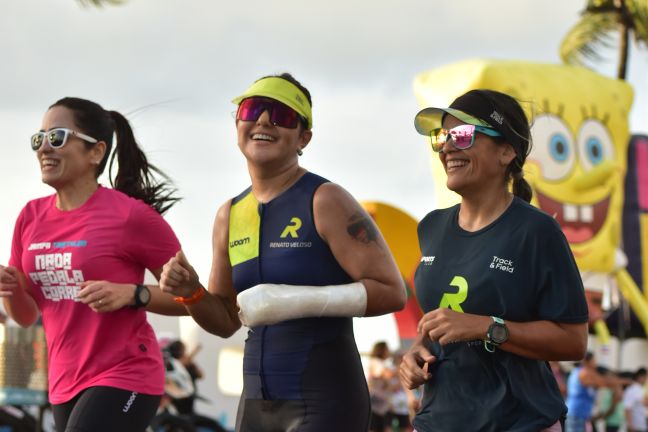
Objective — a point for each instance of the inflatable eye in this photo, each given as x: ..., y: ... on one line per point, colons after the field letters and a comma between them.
x: 594, y: 144
x: 558, y: 147
x: 553, y: 147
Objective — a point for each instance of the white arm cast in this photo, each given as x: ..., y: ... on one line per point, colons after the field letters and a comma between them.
x: 267, y: 304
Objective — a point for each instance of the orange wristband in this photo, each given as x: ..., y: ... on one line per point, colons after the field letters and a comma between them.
x: 195, y: 297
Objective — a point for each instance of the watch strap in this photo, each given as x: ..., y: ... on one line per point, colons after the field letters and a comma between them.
x: 489, y: 344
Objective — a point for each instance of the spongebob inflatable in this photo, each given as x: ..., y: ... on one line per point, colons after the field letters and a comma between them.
x: 576, y: 167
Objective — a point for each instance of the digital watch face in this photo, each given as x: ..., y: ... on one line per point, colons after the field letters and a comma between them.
x: 499, y: 334
x: 145, y: 296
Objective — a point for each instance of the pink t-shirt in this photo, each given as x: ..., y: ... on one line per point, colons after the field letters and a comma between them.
x: 111, y: 237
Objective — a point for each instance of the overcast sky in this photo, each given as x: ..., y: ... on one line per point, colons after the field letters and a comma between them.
x: 172, y: 66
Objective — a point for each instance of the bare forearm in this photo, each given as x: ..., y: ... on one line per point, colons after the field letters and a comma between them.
x: 22, y: 308
x: 162, y: 303
x: 216, y: 315
x: 546, y: 340
x: 383, y: 298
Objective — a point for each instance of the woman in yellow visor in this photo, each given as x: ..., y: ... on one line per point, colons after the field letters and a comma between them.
x: 295, y: 258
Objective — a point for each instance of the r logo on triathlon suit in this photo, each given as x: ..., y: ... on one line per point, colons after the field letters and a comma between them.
x: 454, y: 300
x: 291, y: 228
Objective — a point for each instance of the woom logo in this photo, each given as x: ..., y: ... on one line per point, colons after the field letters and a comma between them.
x: 130, y: 401
x: 239, y: 242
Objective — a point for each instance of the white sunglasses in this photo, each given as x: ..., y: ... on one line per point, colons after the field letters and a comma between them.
x: 57, y: 138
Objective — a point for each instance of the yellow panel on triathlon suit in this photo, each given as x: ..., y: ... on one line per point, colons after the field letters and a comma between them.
x: 244, y: 230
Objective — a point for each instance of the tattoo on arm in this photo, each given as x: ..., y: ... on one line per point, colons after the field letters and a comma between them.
x: 361, y: 228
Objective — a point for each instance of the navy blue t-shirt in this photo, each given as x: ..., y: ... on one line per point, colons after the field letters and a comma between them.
x: 519, y: 268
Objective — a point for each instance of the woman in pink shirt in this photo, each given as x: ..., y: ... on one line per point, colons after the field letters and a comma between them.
x: 78, y: 259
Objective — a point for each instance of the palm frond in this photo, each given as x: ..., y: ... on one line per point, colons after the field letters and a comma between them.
x: 100, y: 3
x: 584, y: 40
x: 639, y: 11
x: 600, y: 6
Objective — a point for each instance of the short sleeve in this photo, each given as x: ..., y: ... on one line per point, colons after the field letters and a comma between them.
x: 149, y: 239
x: 630, y: 397
x: 15, y: 260
x: 561, y: 296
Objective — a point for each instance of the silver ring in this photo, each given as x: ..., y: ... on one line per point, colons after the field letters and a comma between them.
x: 100, y: 301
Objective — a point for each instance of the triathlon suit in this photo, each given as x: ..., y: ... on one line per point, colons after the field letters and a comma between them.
x: 110, y: 237
x: 305, y: 374
x: 518, y: 268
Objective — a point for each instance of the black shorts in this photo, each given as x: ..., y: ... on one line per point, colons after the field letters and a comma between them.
x: 106, y: 409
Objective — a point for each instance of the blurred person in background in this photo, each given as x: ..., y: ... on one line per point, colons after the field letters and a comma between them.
x: 379, y: 379
x: 635, y: 401
x: 609, y: 405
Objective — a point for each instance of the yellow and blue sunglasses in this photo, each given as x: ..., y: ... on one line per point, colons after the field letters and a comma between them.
x: 462, y: 137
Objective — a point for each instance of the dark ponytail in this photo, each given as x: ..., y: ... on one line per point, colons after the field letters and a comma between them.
x: 135, y: 176
x: 522, y: 188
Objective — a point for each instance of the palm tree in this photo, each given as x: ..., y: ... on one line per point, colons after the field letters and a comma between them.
x: 599, y: 21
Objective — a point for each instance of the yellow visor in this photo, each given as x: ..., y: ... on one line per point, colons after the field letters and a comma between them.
x: 282, y: 90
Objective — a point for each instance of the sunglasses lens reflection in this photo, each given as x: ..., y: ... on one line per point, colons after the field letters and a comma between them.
x: 461, y: 137
x: 280, y: 115
x: 284, y: 116
x: 56, y: 139
x: 37, y: 140
x: 250, y: 110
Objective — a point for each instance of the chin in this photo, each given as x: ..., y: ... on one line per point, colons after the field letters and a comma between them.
x: 455, y: 187
x: 49, y: 181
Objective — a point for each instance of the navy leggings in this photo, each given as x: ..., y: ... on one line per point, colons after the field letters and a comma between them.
x: 106, y: 409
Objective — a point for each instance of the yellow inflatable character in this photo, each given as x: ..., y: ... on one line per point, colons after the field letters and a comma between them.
x: 577, y: 164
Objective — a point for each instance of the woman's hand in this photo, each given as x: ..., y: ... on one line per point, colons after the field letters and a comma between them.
x: 9, y: 281
x: 179, y: 277
x: 444, y: 325
x: 18, y: 302
x: 104, y: 296
x: 413, y: 369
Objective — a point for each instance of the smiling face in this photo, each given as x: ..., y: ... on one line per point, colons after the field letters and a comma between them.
x: 576, y: 175
x: 477, y: 169
x: 72, y: 163
x: 265, y: 144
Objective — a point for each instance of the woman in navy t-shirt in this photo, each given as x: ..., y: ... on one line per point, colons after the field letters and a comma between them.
x: 497, y: 281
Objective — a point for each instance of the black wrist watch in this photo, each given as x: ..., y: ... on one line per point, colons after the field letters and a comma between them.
x: 496, y: 335
x: 142, y: 296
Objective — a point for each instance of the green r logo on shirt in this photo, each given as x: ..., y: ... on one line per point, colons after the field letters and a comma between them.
x: 454, y: 300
